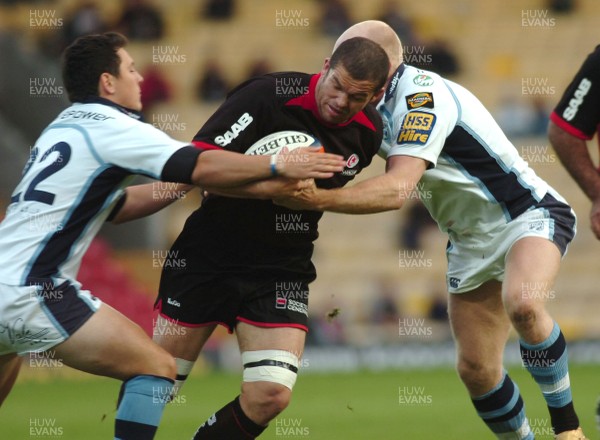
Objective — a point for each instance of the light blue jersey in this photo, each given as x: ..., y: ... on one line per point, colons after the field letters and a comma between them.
x: 477, y: 187
x: 476, y: 180
x: 75, y: 175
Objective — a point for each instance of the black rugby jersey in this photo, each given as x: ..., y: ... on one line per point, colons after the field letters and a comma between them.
x: 578, y: 111
x: 256, y: 236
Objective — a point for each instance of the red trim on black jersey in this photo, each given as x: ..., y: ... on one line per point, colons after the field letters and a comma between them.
x: 206, y: 146
x: 308, y: 101
x: 554, y: 117
x: 273, y: 324
x: 190, y: 325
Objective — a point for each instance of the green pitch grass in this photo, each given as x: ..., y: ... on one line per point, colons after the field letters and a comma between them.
x: 415, y: 404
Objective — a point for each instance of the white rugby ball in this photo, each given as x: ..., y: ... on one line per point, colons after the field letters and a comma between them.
x: 274, y: 142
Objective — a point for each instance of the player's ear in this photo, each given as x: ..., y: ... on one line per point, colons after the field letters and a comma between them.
x: 106, y: 85
x: 377, y: 96
x: 326, y: 65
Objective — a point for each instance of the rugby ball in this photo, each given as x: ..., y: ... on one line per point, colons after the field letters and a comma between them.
x: 274, y: 142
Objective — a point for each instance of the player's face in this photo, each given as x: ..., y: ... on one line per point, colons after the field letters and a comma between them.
x: 127, y: 85
x: 339, y: 96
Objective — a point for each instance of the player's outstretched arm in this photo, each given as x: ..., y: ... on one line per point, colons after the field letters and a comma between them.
x: 237, y: 175
x: 574, y: 154
x: 225, y: 169
x: 277, y: 187
x: 143, y: 200
x: 377, y: 194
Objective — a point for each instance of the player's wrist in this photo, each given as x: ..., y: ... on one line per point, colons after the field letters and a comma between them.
x: 277, y: 166
x: 320, y: 199
x: 273, y: 165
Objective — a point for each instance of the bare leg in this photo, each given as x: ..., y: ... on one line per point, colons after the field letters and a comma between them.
x: 481, y: 327
x: 109, y: 344
x: 531, y: 268
x: 184, y: 344
x: 10, y: 365
x: 262, y: 401
x: 271, y: 360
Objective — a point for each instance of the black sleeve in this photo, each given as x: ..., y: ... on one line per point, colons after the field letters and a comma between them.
x: 239, y: 121
x: 117, y: 208
x: 579, y: 107
x: 180, y: 166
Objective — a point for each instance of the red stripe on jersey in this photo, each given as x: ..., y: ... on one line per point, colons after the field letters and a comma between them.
x: 205, y: 146
x: 308, y: 101
x: 362, y: 119
x: 568, y: 127
x: 273, y: 324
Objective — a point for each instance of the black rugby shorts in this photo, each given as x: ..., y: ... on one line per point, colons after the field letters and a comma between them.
x: 227, y: 299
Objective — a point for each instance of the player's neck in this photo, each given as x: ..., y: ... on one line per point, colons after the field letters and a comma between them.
x: 105, y: 101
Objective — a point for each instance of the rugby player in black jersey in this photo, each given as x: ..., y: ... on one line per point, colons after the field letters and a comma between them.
x: 248, y: 261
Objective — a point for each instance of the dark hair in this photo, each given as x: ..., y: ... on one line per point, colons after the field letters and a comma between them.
x: 86, y: 59
x: 363, y: 59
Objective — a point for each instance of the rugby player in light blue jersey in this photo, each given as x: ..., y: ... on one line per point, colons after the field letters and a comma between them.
x: 507, y: 229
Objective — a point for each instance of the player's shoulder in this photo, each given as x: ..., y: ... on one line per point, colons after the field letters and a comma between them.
x: 415, y: 79
x: 591, y: 65
x: 99, y: 114
x: 413, y: 89
x: 373, y: 118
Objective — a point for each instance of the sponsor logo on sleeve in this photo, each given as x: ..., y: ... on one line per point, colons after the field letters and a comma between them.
x: 416, y: 128
x: 423, y: 80
x: 582, y: 89
x: 417, y: 100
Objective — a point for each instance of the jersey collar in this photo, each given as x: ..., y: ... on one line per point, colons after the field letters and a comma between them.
x: 393, y: 83
x: 129, y: 112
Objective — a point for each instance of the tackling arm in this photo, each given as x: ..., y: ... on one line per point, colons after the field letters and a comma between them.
x: 142, y: 200
x: 225, y: 169
x: 233, y: 174
x: 377, y: 194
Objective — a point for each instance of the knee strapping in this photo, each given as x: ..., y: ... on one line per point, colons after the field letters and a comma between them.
x: 184, y: 367
x: 278, y: 366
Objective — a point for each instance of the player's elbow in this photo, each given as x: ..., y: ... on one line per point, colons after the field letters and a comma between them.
x: 398, y: 203
x: 560, y: 140
x: 553, y: 132
x: 395, y: 203
x: 397, y: 198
